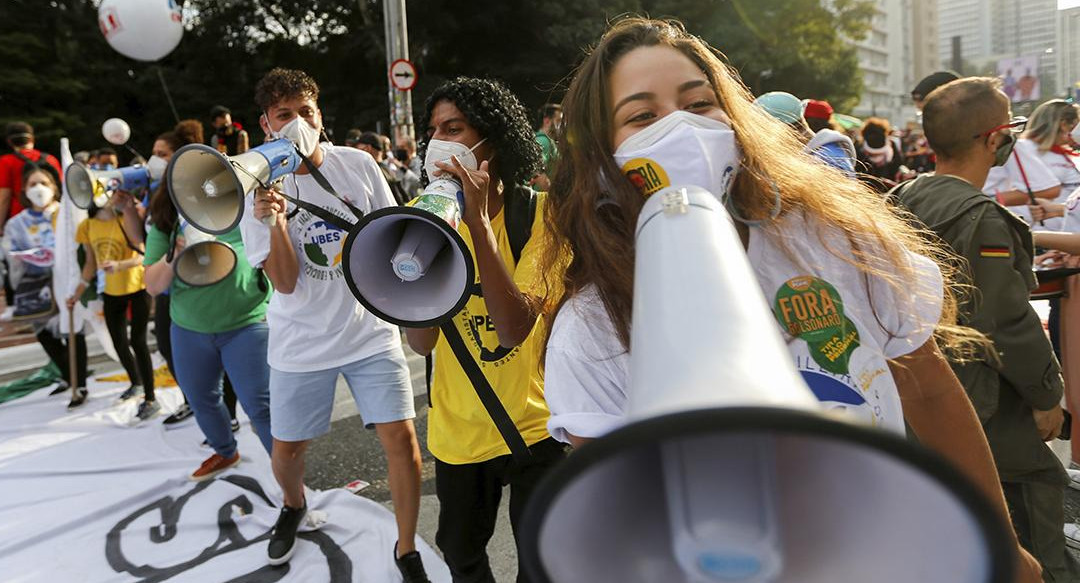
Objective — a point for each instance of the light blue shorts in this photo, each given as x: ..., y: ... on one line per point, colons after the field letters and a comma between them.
x: 301, y: 402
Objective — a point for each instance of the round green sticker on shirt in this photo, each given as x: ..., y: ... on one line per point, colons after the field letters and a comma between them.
x: 834, y: 354
x: 811, y: 309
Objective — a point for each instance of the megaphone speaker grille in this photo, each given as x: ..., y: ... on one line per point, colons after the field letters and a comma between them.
x: 428, y: 300
x: 205, y: 263
x: 80, y: 185
x: 844, y: 503
x: 205, y: 189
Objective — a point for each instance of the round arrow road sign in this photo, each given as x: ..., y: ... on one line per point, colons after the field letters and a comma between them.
x: 402, y: 75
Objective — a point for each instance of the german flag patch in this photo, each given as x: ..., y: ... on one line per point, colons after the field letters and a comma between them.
x: 994, y: 251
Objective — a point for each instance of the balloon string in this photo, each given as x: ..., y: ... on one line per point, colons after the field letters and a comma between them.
x: 133, y: 151
x: 168, y: 95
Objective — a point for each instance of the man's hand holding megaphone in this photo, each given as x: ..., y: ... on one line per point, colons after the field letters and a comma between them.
x: 270, y: 207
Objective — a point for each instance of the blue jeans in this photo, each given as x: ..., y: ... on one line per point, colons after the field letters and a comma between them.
x: 200, y: 360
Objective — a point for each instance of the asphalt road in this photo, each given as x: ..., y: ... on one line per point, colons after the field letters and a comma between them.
x: 351, y: 452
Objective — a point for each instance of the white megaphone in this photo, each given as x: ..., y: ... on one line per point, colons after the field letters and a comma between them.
x: 85, y: 185
x: 204, y: 260
x: 407, y: 264
x: 208, y: 188
x: 727, y: 469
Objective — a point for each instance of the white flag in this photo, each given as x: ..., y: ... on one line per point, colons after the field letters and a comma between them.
x: 66, y: 270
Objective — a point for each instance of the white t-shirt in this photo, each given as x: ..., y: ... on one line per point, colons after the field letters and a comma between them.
x: 1071, y: 221
x: 1009, y: 177
x: 587, y: 372
x: 1067, y: 170
x: 321, y: 325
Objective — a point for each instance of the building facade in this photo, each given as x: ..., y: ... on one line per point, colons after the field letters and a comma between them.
x: 973, y: 35
x: 900, y: 49
x: 1068, y: 51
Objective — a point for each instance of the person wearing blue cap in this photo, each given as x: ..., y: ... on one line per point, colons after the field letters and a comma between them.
x: 831, y: 147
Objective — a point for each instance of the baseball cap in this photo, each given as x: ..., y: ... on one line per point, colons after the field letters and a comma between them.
x: 781, y: 105
x: 932, y: 82
x: 817, y: 109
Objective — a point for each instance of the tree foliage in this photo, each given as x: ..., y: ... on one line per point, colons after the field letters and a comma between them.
x: 58, y: 73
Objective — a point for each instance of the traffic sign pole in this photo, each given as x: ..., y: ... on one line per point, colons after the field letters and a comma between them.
x: 397, y: 49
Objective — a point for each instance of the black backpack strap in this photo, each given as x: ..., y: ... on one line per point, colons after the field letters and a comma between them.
x: 487, y: 395
x: 309, y: 207
x: 325, y: 184
x: 429, y: 364
x: 25, y: 159
x: 120, y: 223
x: 519, y: 212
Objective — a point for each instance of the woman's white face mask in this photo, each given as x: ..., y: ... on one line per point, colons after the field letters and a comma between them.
x: 442, y: 150
x: 681, y: 149
x: 40, y: 195
x: 156, y: 166
x: 299, y: 132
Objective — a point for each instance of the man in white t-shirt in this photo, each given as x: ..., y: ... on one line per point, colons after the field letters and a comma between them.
x: 1023, y: 173
x: 317, y: 329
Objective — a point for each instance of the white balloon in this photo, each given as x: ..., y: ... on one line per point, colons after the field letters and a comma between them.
x: 145, y: 30
x: 116, y: 131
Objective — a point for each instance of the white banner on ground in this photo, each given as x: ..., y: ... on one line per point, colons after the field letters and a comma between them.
x: 85, y: 496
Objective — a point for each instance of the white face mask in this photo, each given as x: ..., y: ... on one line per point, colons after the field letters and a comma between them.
x: 681, y: 149
x: 299, y: 132
x: 1074, y: 135
x: 442, y: 150
x: 40, y: 195
x: 156, y: 166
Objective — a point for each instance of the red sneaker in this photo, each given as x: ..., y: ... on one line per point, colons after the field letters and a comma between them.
x: 214, y: 465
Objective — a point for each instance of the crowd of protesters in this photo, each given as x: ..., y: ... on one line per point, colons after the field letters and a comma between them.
x: 276, y: 334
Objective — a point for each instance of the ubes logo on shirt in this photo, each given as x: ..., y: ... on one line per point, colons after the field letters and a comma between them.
x: 322, y: 244
x: 648, y: 176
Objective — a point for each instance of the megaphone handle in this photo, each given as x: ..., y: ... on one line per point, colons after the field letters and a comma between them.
x: 270, y: 220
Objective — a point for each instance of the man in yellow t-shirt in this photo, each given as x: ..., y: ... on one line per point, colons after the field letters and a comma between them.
x: 489, y: 130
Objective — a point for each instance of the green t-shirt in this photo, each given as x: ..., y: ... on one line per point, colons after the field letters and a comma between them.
x: 547, y: 149
x: 232, y: 303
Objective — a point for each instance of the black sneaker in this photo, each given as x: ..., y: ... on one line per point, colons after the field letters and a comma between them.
x: 79, y: 398
x: 182, y: 413
x: 411, y: 567
x: 283, y: 536
x: 131, y: 392
x: 147, y: 409
x: 60, y: 388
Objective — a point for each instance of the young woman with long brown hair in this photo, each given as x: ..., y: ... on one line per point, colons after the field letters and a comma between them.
x: 651, y: 90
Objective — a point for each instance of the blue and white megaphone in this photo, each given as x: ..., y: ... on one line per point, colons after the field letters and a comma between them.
x: 85, y: 185
x: 208, y: 188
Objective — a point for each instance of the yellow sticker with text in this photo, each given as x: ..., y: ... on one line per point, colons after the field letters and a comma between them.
x: 648, y: 176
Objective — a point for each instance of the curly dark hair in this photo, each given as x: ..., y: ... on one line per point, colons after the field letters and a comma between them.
x: 497, y: 115
x: 281, y: 84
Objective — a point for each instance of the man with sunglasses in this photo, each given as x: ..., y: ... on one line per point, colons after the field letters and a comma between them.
x: 1017, y: 391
